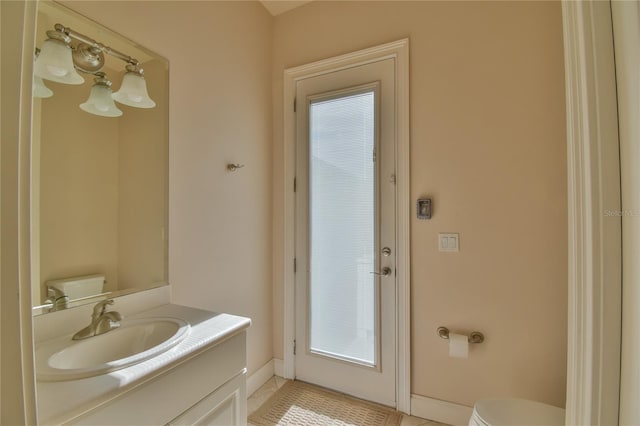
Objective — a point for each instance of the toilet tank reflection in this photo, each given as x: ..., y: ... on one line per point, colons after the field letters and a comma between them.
x: 64, y: 293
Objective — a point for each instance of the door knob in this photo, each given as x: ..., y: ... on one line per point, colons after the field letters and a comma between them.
x: 386, y: 271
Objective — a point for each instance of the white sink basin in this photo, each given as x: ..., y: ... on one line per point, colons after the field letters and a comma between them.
x: 134, y: 341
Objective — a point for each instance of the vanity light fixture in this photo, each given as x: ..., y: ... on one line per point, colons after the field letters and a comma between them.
x: 100, y: 101
x: 55, y: 62
x: 133, y: 91
x: 39, y: 88
x: 59, y: 61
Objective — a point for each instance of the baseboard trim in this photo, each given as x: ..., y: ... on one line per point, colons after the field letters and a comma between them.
x: 278, y: 366
x: 260, y: 377
x: 440, y: 411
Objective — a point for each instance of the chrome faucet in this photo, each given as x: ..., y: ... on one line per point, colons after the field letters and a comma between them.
x: 57, y: 299
x: 101, y: 321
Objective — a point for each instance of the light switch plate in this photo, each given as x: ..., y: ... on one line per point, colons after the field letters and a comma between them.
x: 448, y: 242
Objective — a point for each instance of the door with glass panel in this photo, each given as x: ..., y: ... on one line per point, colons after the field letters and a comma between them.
x: 345, y: 231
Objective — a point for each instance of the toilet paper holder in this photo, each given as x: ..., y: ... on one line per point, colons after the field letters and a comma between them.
x: 474, y: 337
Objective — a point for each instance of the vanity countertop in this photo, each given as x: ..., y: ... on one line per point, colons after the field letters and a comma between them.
x: 60, y: 402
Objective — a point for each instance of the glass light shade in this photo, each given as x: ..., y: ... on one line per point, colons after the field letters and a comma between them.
x: 133, y: 92
x: 100, y: 102
x: 55, y: 63
x: 39, y: 89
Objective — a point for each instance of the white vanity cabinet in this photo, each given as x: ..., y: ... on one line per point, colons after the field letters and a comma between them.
x: 207, y: 389
x: 222, y: 407
x: 201, y: 381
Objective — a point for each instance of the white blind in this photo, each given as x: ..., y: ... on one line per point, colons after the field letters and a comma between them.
x: 342, y: 227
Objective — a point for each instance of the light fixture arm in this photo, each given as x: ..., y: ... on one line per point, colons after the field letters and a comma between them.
x: 95, y: 44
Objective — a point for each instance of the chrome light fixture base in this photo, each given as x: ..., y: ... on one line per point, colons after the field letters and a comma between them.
x: 58, y: 35
x: 88, y: 58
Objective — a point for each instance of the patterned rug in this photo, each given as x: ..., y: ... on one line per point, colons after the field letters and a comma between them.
x: 300, y: 404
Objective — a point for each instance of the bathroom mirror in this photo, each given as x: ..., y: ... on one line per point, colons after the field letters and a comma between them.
x: 99, y: 184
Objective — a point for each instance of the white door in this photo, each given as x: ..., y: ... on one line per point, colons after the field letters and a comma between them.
x: 345, y: 231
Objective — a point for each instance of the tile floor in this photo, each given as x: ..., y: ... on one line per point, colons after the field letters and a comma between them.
x: 273, y: 384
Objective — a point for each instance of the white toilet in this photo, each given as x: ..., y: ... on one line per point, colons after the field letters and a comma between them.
x: 515, y: 412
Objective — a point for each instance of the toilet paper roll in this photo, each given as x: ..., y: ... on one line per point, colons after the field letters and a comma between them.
x: 458, y: 346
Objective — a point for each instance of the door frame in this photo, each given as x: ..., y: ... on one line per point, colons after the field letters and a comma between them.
x: 399, y: 52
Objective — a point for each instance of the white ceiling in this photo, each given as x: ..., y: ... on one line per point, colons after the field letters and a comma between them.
x: 276, y: 7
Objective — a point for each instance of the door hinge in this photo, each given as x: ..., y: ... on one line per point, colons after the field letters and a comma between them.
x: 294, y: 347
x: 374, y: 155
x: 295, y: 265
x: 295, y: 184
x: 295, y: 104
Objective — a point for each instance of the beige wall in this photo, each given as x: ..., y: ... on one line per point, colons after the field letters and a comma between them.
x: 487, y: 101
x: 78, y: 189
x: 101, y: 188
x: 143, y: 185
x: 220, y: 112
x: 488, y: 144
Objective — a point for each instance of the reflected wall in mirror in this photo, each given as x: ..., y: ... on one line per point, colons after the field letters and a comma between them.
x: 99, y: 184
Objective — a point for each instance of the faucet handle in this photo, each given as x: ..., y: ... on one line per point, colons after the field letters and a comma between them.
x: 101, y: 308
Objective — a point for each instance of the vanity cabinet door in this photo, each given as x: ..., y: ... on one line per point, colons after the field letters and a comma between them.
x: 224, y: 407
x: 210, y: 387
